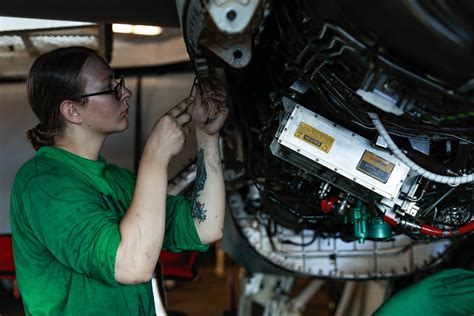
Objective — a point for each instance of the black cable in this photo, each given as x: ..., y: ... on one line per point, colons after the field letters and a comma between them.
x: 290, y: 242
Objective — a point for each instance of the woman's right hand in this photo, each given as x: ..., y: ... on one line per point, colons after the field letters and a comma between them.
x: 169, y: 133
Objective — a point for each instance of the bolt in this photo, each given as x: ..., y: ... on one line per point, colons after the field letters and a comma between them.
x: 231, y: 15
x: 238, y: 54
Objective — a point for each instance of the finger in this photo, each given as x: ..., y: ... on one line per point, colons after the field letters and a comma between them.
x: 183, y: 119
x: 219, y: 98
x: 181, y: 107
x: 186, y: 130
x: 216, y: 92
x: 196, y: 103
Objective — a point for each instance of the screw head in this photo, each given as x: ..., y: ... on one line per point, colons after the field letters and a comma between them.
x: 231, y: 15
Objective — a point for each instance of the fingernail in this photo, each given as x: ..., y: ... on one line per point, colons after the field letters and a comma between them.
x: 191, y: 98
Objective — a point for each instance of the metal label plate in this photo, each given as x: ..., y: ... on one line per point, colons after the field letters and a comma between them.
x: 375, y: 166
x: 314, y: 137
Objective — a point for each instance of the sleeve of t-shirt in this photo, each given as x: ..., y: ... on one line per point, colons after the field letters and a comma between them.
x: 74, y: 222
x: 180, y: 230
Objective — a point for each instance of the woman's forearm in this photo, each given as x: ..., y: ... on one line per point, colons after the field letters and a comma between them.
x: 142, y: 227
x: 208, y: 203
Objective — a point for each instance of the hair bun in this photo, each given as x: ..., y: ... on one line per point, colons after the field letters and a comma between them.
x: 40, y: 136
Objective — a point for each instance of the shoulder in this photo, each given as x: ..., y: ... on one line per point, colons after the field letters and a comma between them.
x: 41, y: 181
x: 34, y: 168
x: 41, y: 170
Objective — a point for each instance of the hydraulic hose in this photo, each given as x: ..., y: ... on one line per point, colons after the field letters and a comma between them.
x: 430, y: 230
x: 393, y: 220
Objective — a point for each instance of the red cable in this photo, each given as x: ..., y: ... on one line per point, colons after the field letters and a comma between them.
x: 432, y: 231
x: 466, y: 228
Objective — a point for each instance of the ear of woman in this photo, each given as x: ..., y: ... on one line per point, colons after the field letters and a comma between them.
x: 70, y: 112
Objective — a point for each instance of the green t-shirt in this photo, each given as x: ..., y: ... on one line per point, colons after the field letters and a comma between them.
x: 450, y: 292
x: 65, y: 215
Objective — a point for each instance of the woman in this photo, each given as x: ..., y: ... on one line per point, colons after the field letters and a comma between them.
x: 87, y: 235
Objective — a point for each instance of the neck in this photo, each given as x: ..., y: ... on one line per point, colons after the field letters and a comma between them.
x: 84, y: 145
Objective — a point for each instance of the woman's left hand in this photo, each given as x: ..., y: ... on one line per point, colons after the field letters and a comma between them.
x: 209, y: 109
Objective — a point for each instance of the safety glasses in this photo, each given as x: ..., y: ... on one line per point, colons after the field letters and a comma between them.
x: 117, y: 90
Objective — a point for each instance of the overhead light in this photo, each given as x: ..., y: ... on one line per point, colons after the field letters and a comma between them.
x: 122, y: 28
x: 147, y: 30
x: 137, y: 29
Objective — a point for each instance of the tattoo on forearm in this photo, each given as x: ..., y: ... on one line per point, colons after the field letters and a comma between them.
x: 199, y: 212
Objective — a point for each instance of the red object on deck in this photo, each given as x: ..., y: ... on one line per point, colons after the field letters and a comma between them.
x: 7, y: 267
x: 178, y: 265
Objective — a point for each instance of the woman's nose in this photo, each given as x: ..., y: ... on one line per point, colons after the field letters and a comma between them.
x: 126, y: 91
